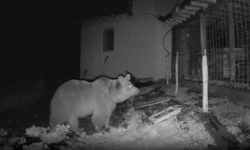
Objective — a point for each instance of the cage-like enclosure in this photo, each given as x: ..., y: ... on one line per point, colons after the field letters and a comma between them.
x: 227, y: 40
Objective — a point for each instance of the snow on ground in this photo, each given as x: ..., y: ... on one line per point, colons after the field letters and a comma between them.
x: 176, y: 134
x: 165, y: 135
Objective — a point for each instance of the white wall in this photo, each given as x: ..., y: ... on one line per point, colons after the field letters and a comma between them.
x: 137, y: 47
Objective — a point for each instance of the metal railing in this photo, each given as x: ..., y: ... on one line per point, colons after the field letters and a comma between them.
x: 227, y: 32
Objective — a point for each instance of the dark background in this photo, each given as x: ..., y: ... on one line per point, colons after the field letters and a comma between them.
x: 39, y: 50
x: 41, y: 38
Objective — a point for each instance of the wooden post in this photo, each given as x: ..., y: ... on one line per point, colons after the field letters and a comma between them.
x: 205, y: 82
x: 176, y: 73
x: 204, y: 63
x: 202, y: 33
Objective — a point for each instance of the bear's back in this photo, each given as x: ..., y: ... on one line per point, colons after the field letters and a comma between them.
x: 71, y: 89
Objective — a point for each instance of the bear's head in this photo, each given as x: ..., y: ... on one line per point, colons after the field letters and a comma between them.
x: 124, y: 89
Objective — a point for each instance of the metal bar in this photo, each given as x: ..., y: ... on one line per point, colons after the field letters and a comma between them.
x: 237, y: 40
x: 216, y: 48
x: 241, y: 59
x: 208, y: 37
x: 220, y: 48
x: 247, y: 43
x: 227, y: 40
x: 231, y: 42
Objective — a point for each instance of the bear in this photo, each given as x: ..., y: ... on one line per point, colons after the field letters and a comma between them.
x: 76, y: 99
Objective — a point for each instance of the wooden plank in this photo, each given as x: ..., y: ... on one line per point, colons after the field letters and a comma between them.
x: 192, y: 8
x: 208, y: 1
x: 163, y: 115
x: 152, y: 103
x: 199, y: 4
x: 177, y: 21
x: 181, y: 18
x: 167, y: 109
x: 171, y: 22
x: 173, y: 113
x: 184, y: 16
x: 190, y: 12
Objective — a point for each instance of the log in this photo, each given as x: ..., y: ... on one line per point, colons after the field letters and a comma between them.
x: 223, y: 139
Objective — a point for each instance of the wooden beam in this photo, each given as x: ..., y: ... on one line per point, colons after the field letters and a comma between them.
x: 181, y: 18
x: 208, y: 1
x: 152, y: 103
x: 171, y: 23
x: 189, y: 8
x: 192, y: 8
x: 190, y: 12
x: 199, y: 4
x: 178, y: 21
x: 164, y: 114
x: 184, y: 16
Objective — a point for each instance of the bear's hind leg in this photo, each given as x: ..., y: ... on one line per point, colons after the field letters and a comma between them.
x: 73, y: 122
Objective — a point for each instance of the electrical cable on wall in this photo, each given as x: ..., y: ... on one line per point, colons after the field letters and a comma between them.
x: 164, y: 40
x: 168, y: 53
x: 104, y: 64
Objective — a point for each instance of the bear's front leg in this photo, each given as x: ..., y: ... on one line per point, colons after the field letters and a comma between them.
x: 73, y: 122
x: 107, y: 123
x: 99, y: 120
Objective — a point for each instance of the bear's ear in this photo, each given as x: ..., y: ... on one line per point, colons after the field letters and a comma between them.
x: 120, y: 78
x: 128, y: 76
x: 118, y: 84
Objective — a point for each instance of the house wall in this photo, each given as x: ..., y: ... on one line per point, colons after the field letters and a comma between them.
x: 138, y: 47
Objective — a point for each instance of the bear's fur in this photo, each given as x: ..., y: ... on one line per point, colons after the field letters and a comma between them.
x: 76, y: 99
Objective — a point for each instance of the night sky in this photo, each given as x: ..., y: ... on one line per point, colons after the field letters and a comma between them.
x: 41, y: 38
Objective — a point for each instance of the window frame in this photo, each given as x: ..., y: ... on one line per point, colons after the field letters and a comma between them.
x: 108, y: 39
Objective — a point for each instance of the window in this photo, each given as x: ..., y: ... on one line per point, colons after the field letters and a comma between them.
x: 108, y: 39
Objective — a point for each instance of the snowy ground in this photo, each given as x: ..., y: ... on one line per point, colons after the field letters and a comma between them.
x: 182, y: 132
